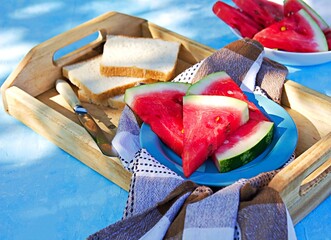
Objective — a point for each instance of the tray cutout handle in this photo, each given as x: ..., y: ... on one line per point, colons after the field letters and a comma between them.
x: 96, y: 28
x: 93, y: 39
x: 316, y: 177
x: 304, y: 183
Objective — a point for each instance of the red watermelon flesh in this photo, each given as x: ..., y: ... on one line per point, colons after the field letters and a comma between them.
x: 236, y: 19
x: 327, y: 34
x: 207, y: 121
x: 263, y: 12
x: 161, y: 106
x: 221, y: 84
x: 296, y: 33
x: 293, y: 6
x: 250, y: 139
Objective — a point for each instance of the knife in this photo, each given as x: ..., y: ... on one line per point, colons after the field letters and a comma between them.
x: 85, y: 118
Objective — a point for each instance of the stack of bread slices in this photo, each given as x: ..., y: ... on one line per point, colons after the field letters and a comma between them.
x: 124, y: 63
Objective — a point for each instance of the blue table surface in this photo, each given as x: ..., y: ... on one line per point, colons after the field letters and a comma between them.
x: 46, y: 193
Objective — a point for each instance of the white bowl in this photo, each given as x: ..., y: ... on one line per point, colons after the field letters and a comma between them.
x: 298, y: 59
x: 294, y: 58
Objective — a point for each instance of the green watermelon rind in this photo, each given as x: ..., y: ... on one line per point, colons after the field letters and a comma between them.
x: 202, y: 84
x: 245, y: 156
x: 318, y: 33
x: 315, y: 16
x: 152, y: 88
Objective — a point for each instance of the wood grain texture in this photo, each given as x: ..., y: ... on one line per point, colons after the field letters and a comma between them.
x: 315, y: 106
x: 66, y: 134
x: 311, y: 169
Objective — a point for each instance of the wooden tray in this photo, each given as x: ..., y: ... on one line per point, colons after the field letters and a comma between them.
x: 29, y: 95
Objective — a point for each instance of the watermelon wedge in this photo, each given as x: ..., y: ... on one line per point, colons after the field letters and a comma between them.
x: 207, y: 121
x: 250, y: 139
x: 221, y: 84
x: 264, y: 12
x: 236, y: 19
x: 244, y: 145
x: 293, y: 6
x: 295, y: 33
x: 161, y: 106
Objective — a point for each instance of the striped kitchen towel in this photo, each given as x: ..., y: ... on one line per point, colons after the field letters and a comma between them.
x: 163, y: 205
x: 253, y: 70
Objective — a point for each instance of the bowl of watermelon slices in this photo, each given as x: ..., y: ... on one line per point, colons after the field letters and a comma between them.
x: 292, y: 32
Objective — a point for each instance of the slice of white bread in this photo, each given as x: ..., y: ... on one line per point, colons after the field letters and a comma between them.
x: 94, y: 87
x: 139, y: 57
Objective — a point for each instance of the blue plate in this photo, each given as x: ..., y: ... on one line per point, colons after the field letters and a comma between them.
x: 276, y: 155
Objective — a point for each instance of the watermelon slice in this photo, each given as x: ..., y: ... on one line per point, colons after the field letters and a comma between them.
x: 250, y: 139
x: 293, y: 6
x: 161, y: 106
x: 236, y: 19
x: 207, y: 121
x: 264, y: 12
x: 296, y: 33
x: 220, y: 83
x: 244, y: 145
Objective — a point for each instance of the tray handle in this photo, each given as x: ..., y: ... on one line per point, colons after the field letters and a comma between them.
x: 303, y: 184
x: 108, y: 23
x: 101, y: 25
